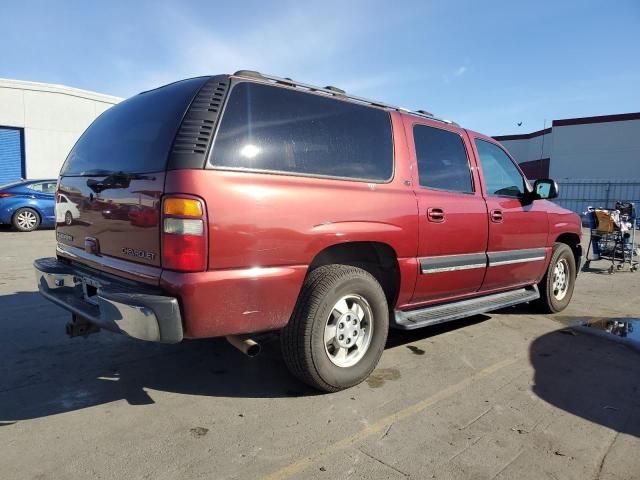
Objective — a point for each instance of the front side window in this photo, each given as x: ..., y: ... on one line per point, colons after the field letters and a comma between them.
x: 282, y: 130
x: 500, y: 174
x: 442, y: 159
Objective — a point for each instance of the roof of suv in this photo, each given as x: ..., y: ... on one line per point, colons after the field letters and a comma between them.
x: 336, y: 92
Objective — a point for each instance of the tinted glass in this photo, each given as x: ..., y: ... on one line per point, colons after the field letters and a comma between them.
x: 500, y: 174
x: 277, y: 129
x: 134, y: 136
x: 442, y: 159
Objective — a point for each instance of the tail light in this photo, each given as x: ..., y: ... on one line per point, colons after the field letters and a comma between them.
x: 184, y: 234
x: 6, y: 194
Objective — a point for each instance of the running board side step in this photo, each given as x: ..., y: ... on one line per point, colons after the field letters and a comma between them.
x: 423, y: 317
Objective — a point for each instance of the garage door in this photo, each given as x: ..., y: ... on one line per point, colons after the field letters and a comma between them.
x: 11, y: 155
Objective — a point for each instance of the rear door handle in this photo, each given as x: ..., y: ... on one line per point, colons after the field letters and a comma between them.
x: 496, y: 216
x: 435, y: 215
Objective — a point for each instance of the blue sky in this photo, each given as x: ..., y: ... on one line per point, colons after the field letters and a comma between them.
x: 485, y: 64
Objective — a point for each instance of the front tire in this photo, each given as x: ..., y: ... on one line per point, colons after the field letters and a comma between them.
x: 26, y: 220
x: 338, y: 329
x: 556, y: 287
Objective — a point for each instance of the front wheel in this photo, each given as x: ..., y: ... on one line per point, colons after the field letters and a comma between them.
x: 556, y: 287
x: 338, y: 330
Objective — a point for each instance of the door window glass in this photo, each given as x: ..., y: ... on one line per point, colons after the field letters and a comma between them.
x: 500, y: 174
x: 35, y: 186
x: 49, y: 187
x: 442, y: 159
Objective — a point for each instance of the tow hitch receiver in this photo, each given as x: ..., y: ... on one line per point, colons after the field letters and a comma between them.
x: 80, y: 327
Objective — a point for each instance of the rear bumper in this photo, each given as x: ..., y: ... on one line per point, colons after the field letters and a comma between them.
x: 108, y: 304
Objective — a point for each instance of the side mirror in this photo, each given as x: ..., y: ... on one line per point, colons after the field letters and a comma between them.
x: 546, y: 189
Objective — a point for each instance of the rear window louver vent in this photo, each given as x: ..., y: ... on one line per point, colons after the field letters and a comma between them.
x: 193, y: 139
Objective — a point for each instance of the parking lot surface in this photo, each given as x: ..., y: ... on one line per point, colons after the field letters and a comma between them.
x: 511, y: 394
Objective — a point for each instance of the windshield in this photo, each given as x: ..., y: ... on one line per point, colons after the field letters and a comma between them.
x: 135, y: 135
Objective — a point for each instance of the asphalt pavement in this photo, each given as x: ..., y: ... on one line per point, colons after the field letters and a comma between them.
x: 511, y: 394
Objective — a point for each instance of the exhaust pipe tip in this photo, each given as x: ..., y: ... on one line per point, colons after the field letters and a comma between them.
x: 247, y: 346
x: 254, y: 350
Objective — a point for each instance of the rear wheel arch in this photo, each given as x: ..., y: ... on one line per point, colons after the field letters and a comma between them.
x: 377, y: 258
x: 316, y: 342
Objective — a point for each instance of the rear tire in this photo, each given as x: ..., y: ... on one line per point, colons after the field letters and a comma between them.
x: 556, y: 287
x: 25, y: 219
x: 338, y: 329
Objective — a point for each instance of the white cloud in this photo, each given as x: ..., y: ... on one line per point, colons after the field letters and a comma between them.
x: 460, y: 71
x: 329, y: 43
x: 305, y: 42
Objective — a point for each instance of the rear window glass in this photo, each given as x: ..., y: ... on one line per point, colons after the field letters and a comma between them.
x: 277, y: 129
x: 134, y: 136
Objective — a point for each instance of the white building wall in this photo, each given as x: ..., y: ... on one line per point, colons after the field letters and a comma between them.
x: 527, y: 149
x: 519, y: 149
x: 52, y: 116
x: 540, y: 147
x: 608, y: 150
x: 605, y: 150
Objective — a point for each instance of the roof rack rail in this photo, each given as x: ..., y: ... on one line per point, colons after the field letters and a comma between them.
x: 335, y: 89
x: 338, y: 92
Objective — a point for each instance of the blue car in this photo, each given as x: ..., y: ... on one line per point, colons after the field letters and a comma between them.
x: 28, y: 204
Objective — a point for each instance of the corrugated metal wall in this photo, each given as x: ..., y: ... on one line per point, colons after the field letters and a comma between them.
x: 11, y: 154
x: 577, y: 195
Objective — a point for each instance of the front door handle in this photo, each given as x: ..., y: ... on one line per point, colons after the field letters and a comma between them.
x: 435, y: 215
x: 496, y: 216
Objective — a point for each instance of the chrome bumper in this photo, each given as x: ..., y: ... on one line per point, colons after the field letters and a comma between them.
x: 108, y: 304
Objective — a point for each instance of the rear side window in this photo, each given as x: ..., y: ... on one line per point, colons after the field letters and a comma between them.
x: 281, y: 130
x: 501, y: 176
x: 45, y: 187
x: 442, y: 159
x: 134, y: 136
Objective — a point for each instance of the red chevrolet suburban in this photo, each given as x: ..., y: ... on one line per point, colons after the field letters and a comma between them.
x: 230, y: 205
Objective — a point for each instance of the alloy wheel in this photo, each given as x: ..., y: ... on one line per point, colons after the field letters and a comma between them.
x: 348, y: 331
x: 560, y: 279
x: 27, y: 219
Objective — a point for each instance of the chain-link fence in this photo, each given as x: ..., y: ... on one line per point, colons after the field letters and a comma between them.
x: 577, y: 195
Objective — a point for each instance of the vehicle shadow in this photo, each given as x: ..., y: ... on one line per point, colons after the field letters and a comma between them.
x: 43, y: 372
x: 6, y: 228
x: 590, y: 377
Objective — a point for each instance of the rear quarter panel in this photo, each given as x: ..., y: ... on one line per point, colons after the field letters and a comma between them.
x: 44, y: 207
x: 265, y: 229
